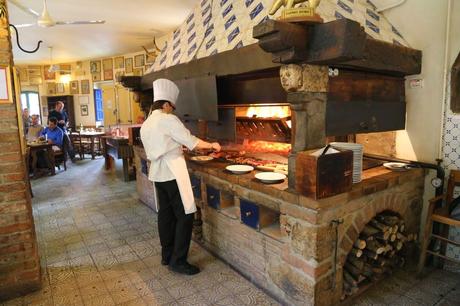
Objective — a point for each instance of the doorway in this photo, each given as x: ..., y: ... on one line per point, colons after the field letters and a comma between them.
x: 31, y: 101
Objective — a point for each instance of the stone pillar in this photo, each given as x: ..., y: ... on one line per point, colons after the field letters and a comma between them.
x: 307, y: 95
x: 19, y: 261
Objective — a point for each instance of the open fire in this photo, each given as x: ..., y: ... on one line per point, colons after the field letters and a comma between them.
x: 258, y: 146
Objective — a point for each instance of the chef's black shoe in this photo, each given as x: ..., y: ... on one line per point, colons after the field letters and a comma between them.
x: 164, y: 262
x: 185, y: 268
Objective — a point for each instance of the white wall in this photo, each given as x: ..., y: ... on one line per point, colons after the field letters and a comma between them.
x: 423, y: 25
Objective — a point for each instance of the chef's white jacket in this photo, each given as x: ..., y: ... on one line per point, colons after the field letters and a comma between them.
x: 163, y: 136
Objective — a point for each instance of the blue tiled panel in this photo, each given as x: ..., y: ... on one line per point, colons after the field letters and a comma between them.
x: 210, y: 43
x: 256, y: 11
x: 176, y: 34
x: 249, y: 2
x: 192, y: 48
x: 190, y: 18
x: 344, y: 6
x: 373, y: 14
x: 227, y: 10
x: 208, y: 31
x: 230, y: 21
x: 176, y: 44
x: 372, y: 26
x: 191, y: 38
x: 223, y: 2
x: 176, y: 55
x: 207, y: 20
x: 206, y: 10
x: 190, y: 28
x: 233, y: 34
x: 338, y: 15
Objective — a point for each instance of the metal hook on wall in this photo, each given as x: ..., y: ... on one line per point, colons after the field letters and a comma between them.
x: 19, y: 45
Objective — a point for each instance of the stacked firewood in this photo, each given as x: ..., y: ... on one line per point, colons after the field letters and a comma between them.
x: 377, y: 251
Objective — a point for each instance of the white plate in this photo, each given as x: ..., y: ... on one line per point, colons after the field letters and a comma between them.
x: 396, y: 166
x: 201, y: 159
x: 239, y: 169
x: 270, y: 177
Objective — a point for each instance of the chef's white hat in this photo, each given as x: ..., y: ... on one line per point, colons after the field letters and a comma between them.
x: 164, y: 89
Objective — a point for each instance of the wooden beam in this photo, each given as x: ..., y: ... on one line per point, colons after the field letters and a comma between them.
x: 341, y: 43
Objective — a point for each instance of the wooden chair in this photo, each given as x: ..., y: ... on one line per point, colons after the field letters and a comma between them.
x: 60, y: 157
x: 439, y: 211
x: 81, y: 145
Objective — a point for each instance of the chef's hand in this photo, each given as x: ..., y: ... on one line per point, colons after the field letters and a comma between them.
x: 215, y: 146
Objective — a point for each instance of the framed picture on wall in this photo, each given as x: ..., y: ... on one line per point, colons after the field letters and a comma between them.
x: 35, y: 74
x: 107, y: 64
x: 84, y: 84
x: 48, y: 75
x: 139, y: 60
x: 6, y: 95
x: 51, y: 88
x: 84, y: 109
x: 138, y: 71
x: 95, y: 66
x: 129, y: 65
x: 119, y: 62
x: 74, y: 88
x: 65, y: 69
x: 23, y: 75
x: 60, y: 88
x: 108, y: 75
x: 96, y: 77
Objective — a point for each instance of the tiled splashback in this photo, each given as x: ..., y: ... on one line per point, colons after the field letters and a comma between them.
x: 215, y: 26
x: 451, y: 160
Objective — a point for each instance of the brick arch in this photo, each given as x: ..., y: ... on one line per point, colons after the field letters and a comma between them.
x: 388, y: 202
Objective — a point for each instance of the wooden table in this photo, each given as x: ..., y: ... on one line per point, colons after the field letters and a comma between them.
x: 92, y: 136
x: 34, y: 148
x: 117, y: 148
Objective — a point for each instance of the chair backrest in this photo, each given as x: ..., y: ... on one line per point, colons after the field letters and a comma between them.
x: 454, y: 181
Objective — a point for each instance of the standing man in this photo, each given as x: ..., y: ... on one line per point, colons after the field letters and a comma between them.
x: 35, y: 129
x: 26, y: 120
x: 62, y: 121
x: 163, y: 136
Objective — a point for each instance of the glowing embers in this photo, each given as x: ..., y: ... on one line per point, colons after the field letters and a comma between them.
x: 268, y: 112
x: 259, y: 146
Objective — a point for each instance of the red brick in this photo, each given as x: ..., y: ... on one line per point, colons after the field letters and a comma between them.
x: 13, y: 207
x: 11, y: 168
x: 13, y: 177
x: 15, y: 248
x: 9, y: 137
x: 15, y: 196
x: 13, y: 228
x: 10, y: 157
x: 10, y: 147
x: 12, y: 187
x: 17, y: 237
x: 7, y: 113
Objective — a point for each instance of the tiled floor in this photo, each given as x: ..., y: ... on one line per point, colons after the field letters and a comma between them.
x: 99, y: 246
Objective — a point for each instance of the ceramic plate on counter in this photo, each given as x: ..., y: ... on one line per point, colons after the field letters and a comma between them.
x: 239, y: 169
x: 396, y: 166
x: 270, y: 177
x: 201, y: 159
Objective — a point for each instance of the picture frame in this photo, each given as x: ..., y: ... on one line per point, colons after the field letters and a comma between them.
x: 65, y: 69
x: 107, y: 64
x: 23, y: 75
x: 96, y: 77
x: 51, y: 88
x: 47, y: 75
x: 6, y: 94
x: 74, y: 88
x: 84, y: 86
x: 139, y: 60
x: 129, y: 65
x: 83, y: 100
x: 84, y: 110
x: 108, y: 75
x: 151, y: 57
x: 95, y: 66
x: 35, y: 74
x: 119, y: 62
x: 138, y: 71
x: 60, y: 88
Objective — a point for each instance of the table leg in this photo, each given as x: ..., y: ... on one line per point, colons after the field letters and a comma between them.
x: 33, y: 154
x: 51, y: 160
x: 92, y: 147
x: 108, y: 162
x: 125, y: 170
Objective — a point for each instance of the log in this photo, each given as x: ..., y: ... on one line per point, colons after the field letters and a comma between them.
x: 392, y: 237
x: 375, y: 247
x: 388, y: 219
x: 370, y: 254
x: 370, y: 231
x: 398, y: 245
x: 358, y: 263
x: 394, y: 229
x: 379, y: 225
x: 401, y: 237
x: 349, y: 279
x: 383, y: 235
x: 360, y: 244
x: 357, y: 252
x: 402, y: 227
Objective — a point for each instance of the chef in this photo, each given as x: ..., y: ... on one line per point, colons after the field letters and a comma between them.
x: 163, y: 136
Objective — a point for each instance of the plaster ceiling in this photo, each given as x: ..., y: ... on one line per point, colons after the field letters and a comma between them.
x: 129, y: 25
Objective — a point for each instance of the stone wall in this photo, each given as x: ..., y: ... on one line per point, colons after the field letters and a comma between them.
x: 19, y: 260
x: 294, y: 262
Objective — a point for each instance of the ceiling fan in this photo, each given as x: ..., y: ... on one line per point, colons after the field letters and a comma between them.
x: 44, y: 19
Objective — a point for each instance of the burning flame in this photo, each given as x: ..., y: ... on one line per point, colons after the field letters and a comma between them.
x: 266, y: 146
x: 268, y: 111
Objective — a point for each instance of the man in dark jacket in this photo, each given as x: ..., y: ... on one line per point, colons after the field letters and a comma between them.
x: 62, y: 121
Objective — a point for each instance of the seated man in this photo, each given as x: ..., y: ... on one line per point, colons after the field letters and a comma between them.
x: 35, y: 129
x: 53, y: 134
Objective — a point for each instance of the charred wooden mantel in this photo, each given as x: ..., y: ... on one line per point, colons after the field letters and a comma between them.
x: 340, y: 43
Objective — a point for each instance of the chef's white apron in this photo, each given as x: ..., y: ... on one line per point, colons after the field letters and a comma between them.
x: 178, y: 168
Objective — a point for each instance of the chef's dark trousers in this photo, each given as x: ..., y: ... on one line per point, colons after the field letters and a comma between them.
x: 174, y: 226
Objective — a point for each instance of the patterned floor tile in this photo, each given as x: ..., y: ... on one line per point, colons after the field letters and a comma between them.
x: 101, y: 300
x: 181, y: 290
x: 194, y: 299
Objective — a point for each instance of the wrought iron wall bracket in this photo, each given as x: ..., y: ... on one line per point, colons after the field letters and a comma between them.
x: 19, y: 45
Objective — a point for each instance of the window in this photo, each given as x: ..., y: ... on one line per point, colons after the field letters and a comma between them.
x: 98, y: 105
x: 31, y: 101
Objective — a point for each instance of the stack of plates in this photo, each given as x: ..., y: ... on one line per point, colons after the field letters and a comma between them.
x: 357, y: 157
